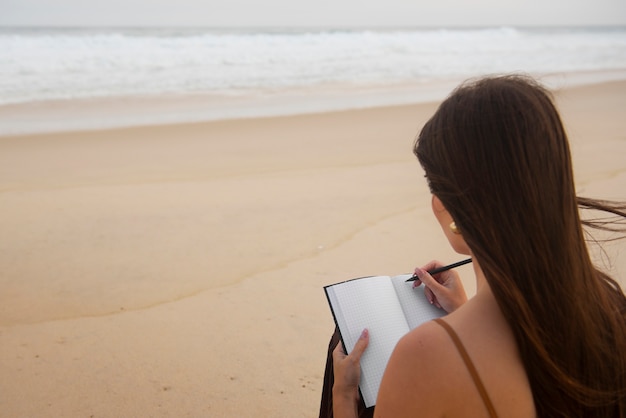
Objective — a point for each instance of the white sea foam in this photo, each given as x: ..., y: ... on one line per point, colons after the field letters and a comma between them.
x: 256, y: 73
x: 48, y: 65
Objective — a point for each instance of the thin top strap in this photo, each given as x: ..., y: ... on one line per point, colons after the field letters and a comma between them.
x: 470, y: 367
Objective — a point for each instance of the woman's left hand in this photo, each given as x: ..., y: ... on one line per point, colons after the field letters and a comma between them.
x: 347, y: 371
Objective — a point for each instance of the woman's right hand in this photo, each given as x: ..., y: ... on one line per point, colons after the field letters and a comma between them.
x: 444, y: 290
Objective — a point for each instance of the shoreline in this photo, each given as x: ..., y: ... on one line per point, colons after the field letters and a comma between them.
x: 135, y: 111
x: 160, y: 110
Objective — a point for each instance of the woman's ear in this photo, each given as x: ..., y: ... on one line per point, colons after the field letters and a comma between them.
x: 449, y: 228
x: 437, y: 205
x: 441, y: 213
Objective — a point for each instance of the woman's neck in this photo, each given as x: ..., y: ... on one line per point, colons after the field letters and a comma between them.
x: 481, y: 282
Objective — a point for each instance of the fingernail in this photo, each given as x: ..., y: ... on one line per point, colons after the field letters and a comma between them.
x: 419, y: 272
x: 364, y: 333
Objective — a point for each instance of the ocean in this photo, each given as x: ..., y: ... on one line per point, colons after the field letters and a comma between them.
x: 243, y: 73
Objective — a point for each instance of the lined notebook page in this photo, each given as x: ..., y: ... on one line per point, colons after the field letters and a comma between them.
x: 369, y: 303
x: 416, y: 307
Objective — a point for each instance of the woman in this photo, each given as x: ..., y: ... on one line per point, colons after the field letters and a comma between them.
x: 545, y: 334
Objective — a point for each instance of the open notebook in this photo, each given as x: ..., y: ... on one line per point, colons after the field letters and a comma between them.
x: 388, y: 307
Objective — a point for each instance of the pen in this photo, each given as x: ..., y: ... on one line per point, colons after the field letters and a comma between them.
x: 444, y: 268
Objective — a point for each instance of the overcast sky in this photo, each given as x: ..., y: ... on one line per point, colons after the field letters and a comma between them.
x: 314, y: 13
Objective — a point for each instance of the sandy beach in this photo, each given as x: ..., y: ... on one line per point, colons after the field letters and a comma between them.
x: 177, y: 270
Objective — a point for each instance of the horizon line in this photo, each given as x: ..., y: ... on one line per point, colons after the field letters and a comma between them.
x: 347, y: 27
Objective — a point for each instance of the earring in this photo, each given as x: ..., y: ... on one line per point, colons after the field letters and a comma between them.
x: 454, y: 229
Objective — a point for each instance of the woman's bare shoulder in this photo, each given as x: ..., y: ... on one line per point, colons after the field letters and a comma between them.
x: 418, y: 374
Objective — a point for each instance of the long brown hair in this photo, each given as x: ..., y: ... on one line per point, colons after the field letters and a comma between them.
x: 496, y: 154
